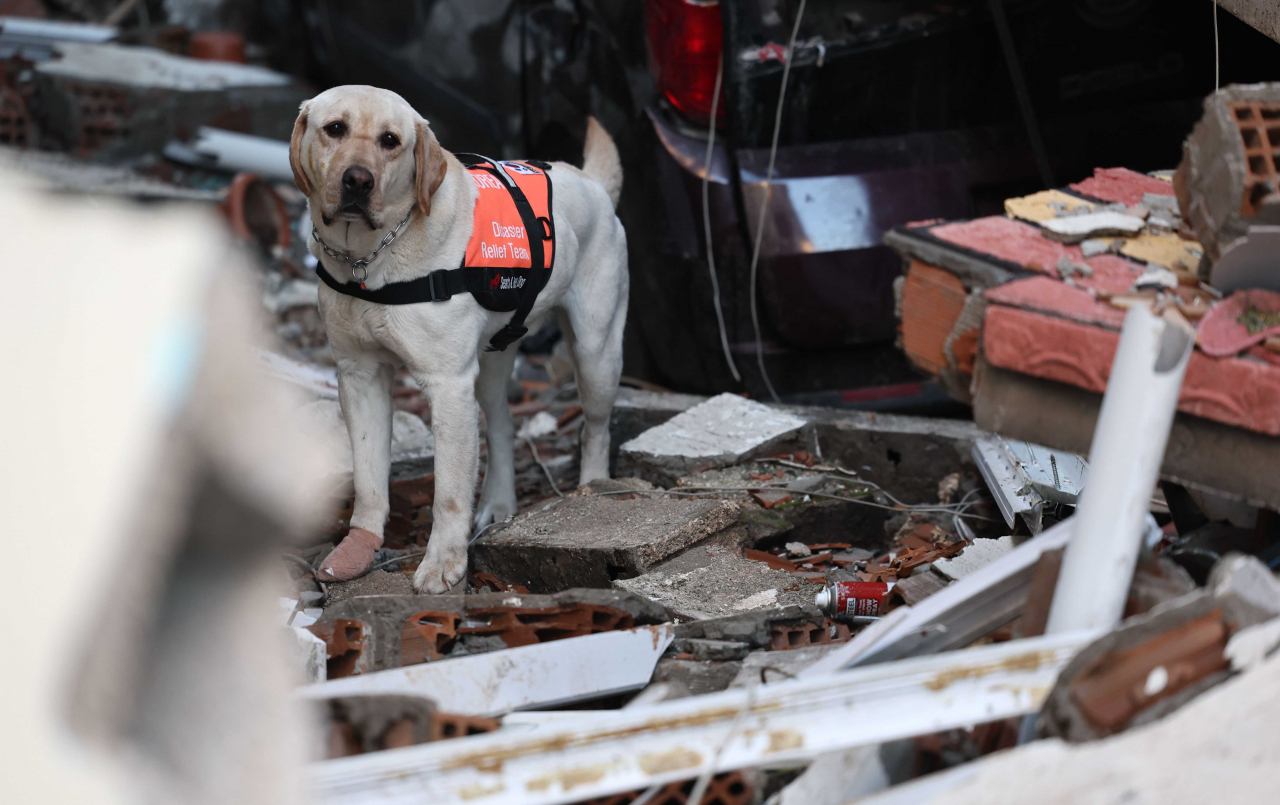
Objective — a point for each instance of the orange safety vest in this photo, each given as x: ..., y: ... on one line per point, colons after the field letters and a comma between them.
x: 499, y: 237
x: 508, y: 259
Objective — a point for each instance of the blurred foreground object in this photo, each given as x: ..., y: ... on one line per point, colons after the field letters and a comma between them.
x: 148, y: 456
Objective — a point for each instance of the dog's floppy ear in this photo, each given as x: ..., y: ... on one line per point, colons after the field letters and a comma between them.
x: 295, y: 145
x: 429, y: 166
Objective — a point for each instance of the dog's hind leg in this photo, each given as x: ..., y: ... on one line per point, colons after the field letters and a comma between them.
x: 498, y: 495
x: 364, y: 389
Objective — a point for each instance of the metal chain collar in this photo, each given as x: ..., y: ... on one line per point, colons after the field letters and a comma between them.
x: 359, y: 268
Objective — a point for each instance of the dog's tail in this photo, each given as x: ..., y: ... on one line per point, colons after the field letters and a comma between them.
x: 600, y: 160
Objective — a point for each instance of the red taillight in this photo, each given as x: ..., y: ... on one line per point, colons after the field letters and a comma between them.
x: 684, y: 53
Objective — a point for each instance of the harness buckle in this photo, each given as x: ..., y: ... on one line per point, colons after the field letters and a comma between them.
x: 438, y: 285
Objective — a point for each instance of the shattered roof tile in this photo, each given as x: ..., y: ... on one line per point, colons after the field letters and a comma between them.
x: 1121, y: 185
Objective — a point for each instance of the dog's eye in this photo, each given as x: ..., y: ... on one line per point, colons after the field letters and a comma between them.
x: 336, y: 129
x: 389, y: 140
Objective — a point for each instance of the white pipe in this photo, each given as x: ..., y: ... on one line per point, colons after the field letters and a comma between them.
x: 1124, y: 462
x: 235, y: 152
x: 57, y: 31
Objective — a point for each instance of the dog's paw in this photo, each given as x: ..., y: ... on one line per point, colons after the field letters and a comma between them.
x: 441, y: 569
x: 493, y: 511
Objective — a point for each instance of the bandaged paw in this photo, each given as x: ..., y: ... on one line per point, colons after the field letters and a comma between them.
x: 352, y: 558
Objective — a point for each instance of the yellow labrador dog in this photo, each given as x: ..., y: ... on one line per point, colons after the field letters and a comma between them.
x: 370, y: 166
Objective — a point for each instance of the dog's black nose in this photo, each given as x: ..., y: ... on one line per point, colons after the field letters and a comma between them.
x: 357, y: 181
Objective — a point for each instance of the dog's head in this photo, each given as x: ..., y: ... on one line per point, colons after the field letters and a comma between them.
x: 363, y: 154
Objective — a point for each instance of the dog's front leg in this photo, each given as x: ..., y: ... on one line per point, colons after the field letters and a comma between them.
x: 498, y: 494
x: 364, y: 389
x: 455, y: 425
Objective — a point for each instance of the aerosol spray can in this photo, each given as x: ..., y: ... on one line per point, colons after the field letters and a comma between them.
x: 857, y: 601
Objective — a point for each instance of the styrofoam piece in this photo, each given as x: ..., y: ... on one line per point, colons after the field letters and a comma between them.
x: 541, y: 675
x: 774, y: 725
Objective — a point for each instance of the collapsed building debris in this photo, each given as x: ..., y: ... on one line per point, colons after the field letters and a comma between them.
x: 766, y: 601
x: 787, y: 721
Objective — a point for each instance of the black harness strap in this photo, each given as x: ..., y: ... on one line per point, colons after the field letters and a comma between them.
x: 442, y: 284
x: 435, y: 287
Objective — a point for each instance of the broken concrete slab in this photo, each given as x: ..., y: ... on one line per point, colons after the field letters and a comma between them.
x: 636, y: 411
x: 761, y: 667
x: 974, y: 557
x: 412, y: 447
x: 408, y: 629
x: 696, y: 676
x: 724, y: 430
x: 590, y: 541
x: 1076, y: 228
x: 712, y: 650
x: 714, y: 582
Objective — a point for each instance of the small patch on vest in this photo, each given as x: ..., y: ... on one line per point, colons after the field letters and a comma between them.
x: 501, y: 283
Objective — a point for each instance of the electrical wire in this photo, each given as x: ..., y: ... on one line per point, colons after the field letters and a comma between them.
x: 1217, y: 74
x: 545, y: 469
x: 706, y: 227
x: 768, y: 194
x: 720, y: 491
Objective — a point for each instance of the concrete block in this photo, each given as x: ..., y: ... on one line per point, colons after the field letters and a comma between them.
x: 115, y: 102
x: 589, y: 541
x: 756, y: 628
x: 697, y: 677
x: 724, y: 430
x: 1227, y: 178
x: 412, y: 447
x: 715, y: 582
x: 713, y: 650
